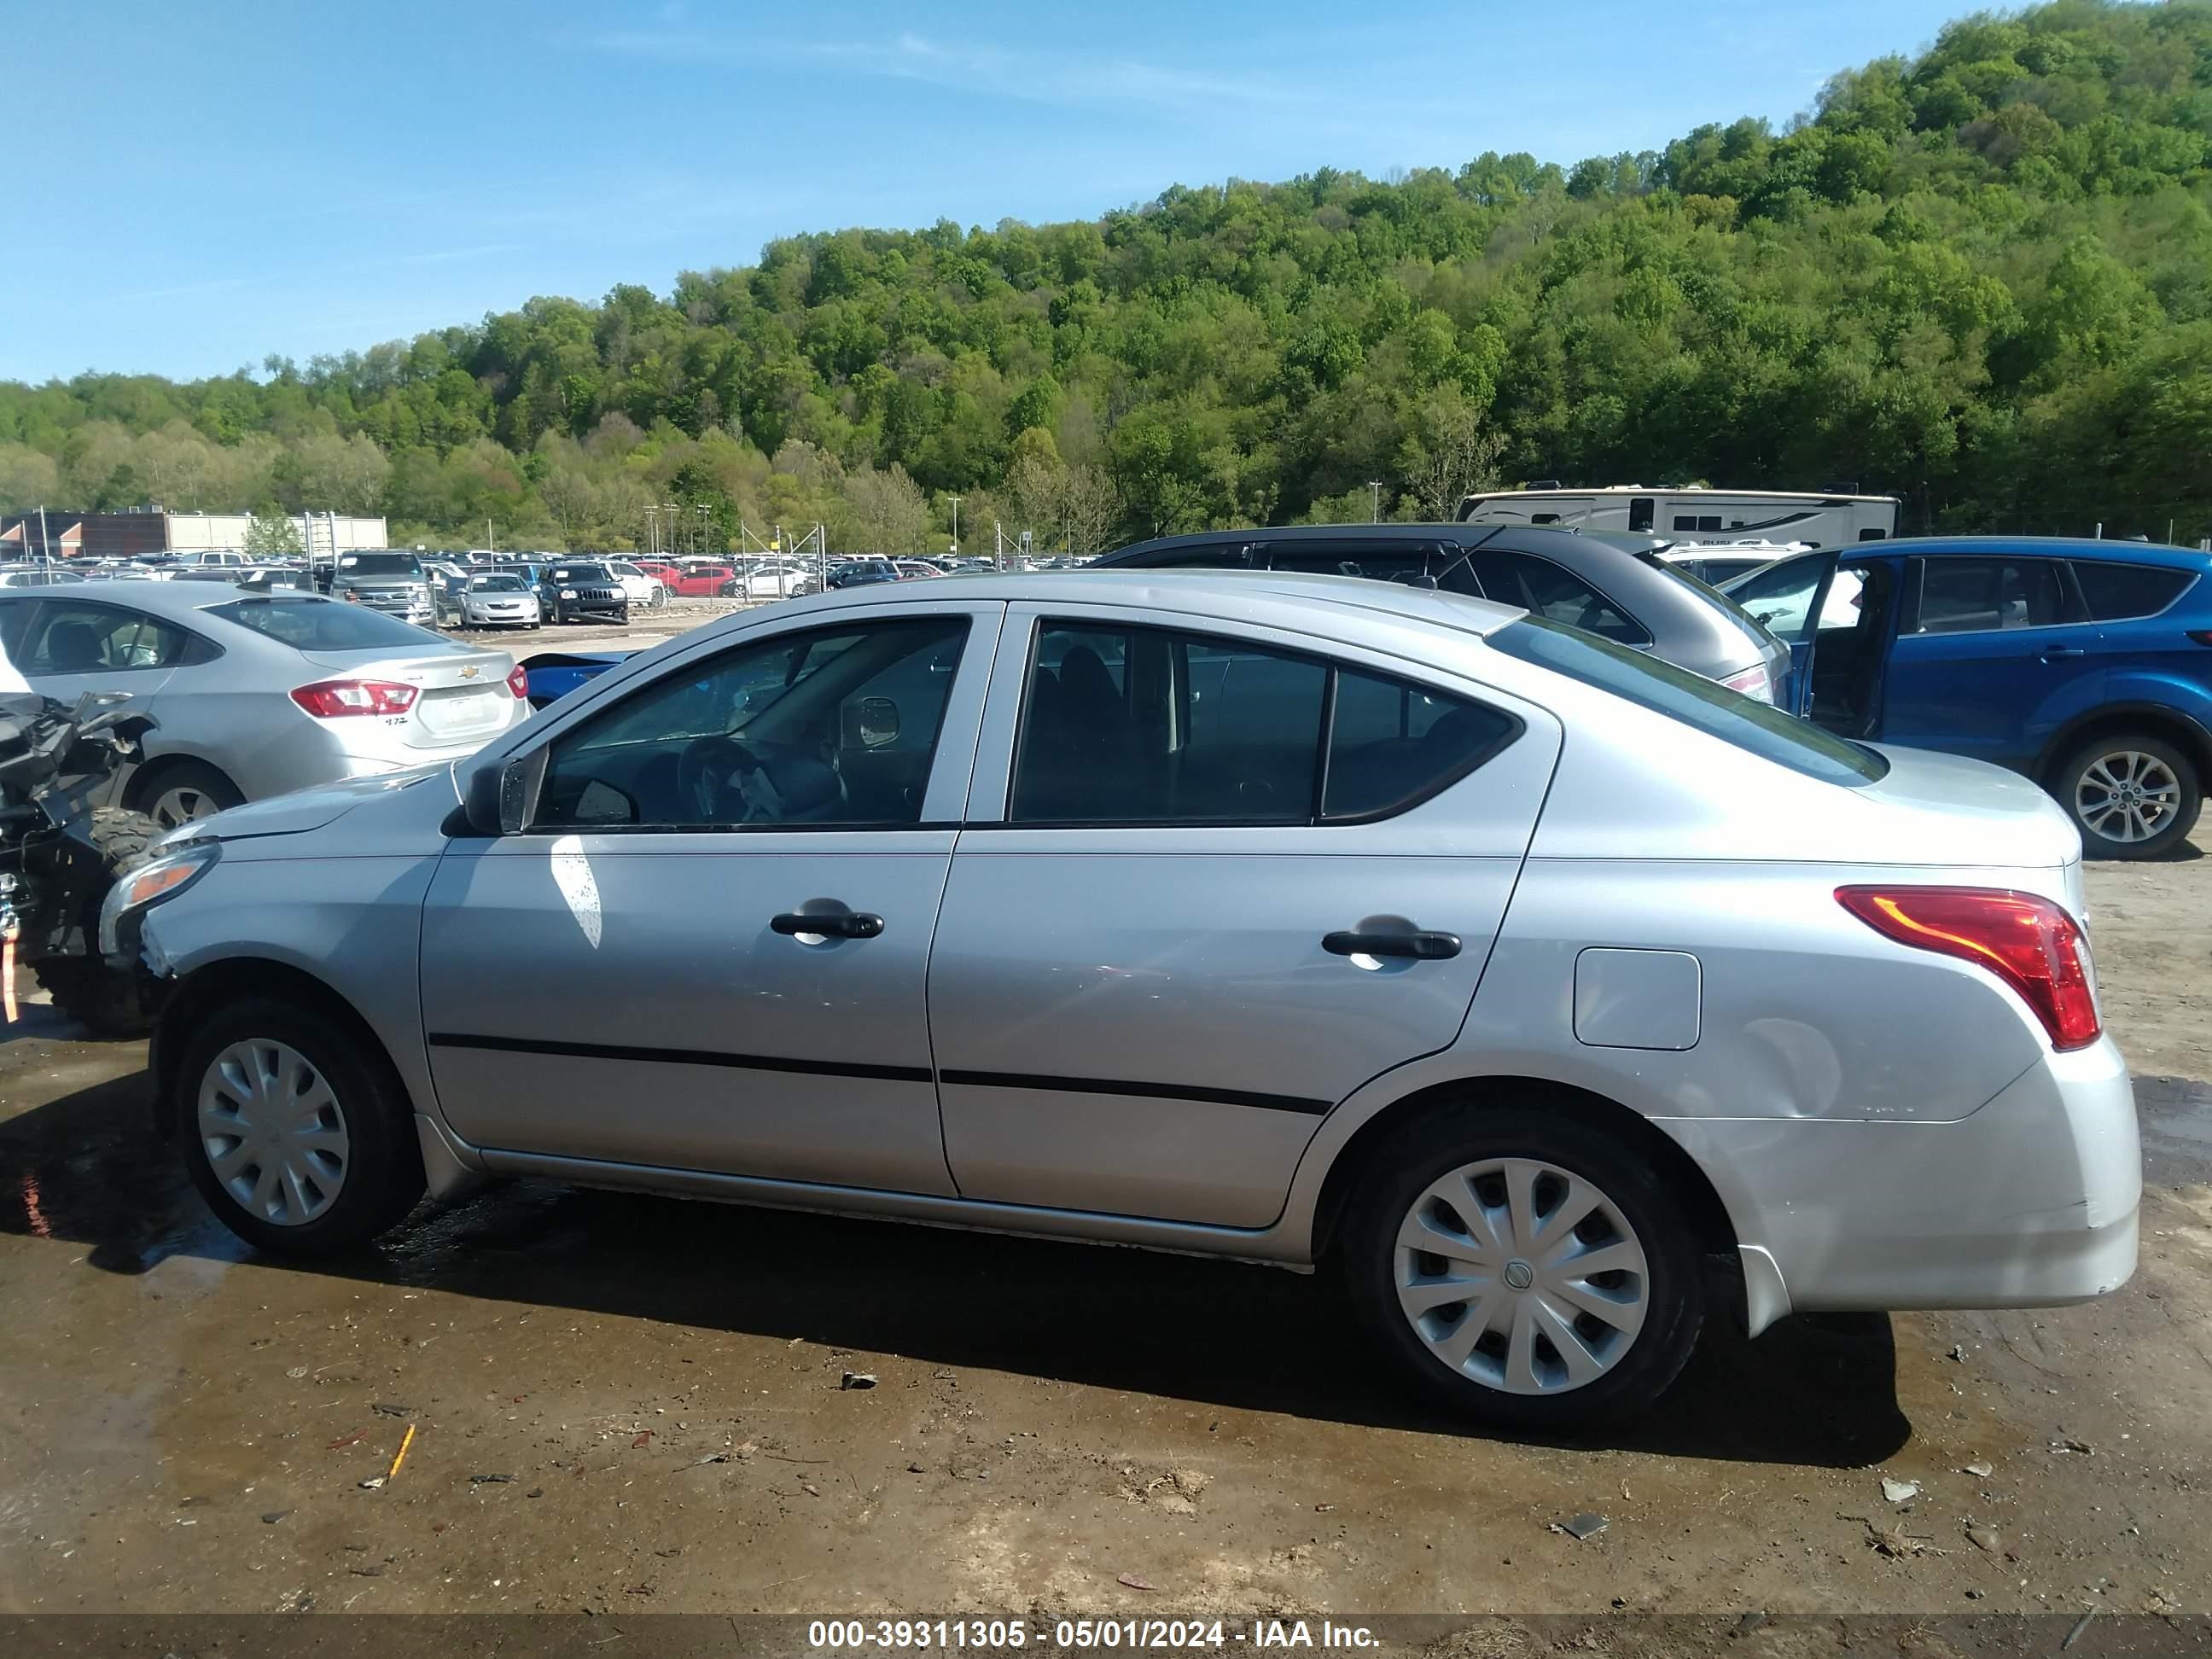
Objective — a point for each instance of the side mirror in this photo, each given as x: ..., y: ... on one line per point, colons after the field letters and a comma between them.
x: 874, y: 722
x: 501, y: 799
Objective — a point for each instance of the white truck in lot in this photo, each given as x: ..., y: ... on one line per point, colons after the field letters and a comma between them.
x: 1819, y: 519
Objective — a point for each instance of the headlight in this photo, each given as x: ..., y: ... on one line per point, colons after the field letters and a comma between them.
x: 567, y: 593
x: 162, y: 877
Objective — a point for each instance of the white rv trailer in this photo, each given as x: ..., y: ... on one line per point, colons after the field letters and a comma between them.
x: 1824, y: 519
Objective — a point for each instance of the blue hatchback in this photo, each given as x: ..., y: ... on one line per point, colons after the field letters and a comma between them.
x: 2086, y: 664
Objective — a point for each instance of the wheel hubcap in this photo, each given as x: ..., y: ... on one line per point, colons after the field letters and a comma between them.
x: 2127, y: 796
x: 273, y: 1132
x: 180, y: 806
x: 1521, y: 1276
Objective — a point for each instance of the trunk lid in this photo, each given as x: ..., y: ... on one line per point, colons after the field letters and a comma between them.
x: 1946, y: 809
x: 464, y: 697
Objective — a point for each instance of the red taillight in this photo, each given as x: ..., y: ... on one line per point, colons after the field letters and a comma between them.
x: 1752, y: 683
x: 2027, y: 942
x: 328, y: 699
x: 2202, y: 636
x: 518, y: 682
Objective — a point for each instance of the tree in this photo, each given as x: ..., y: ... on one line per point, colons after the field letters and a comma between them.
x: 1947, y: 280
x: 1451, y: 453
x: 272, y: 534
x: 884, y: 512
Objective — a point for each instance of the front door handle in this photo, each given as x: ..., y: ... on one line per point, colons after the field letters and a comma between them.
x: 837, y: 924
x: 2061, y: 652
x: 1428, y: 947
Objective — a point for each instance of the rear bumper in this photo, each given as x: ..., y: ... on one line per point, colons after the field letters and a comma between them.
x: 2030, y: 1201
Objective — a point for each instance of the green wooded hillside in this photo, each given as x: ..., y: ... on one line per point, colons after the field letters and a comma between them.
x: 1981, y: 278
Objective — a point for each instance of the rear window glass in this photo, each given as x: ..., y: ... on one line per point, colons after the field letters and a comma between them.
x: 323, y: 624
x: 2114, y: 592
x: 1745, y: 623
x: 1677, y: 693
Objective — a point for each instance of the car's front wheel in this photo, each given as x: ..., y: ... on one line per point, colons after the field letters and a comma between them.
x: 1522, y: 1268
x: 2131, y: 795
x: 294, y: 1131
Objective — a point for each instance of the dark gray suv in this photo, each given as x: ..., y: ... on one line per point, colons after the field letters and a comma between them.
x: 1610, y: 584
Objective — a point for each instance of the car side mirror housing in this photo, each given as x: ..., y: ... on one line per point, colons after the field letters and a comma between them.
x: 870, y: 723
x: 501, y: 799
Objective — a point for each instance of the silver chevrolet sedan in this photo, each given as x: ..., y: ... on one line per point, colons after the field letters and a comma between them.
x: 1529, y: 978
x: 256, y: 690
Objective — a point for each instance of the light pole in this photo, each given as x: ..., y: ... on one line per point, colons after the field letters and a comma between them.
x: 955, y: 523
x: 1375, y: 516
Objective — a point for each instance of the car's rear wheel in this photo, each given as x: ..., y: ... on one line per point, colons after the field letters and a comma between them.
x: 1522, y: 1268
x: 295, y: 1133
x: 181, y: 791
x: 2131, y: 795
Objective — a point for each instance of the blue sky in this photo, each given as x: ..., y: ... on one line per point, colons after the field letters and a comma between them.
x: 191, y: 187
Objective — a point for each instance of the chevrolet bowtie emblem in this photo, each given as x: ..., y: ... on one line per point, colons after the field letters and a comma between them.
x: 468, y: 672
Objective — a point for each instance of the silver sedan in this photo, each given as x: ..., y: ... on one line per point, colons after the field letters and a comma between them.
x: 1284, y: 918
x: 259, y: 691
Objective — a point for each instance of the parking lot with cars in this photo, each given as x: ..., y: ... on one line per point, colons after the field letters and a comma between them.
x: 544, y: 1396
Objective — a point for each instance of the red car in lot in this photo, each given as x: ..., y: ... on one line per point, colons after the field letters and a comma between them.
x: 664, y: 571
x: 698, y: 579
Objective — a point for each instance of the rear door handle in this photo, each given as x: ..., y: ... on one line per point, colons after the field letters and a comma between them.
x: 841, y: 924
x: 2061, y: 652
x: 1428, y: 947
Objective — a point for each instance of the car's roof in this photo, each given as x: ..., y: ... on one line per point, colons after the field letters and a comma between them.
x: 1231, y: 595
x: 2062, y: 547
x: 1528, y: 537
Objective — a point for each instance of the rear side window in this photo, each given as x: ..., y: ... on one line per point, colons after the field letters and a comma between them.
x: 1981, y: 596
x: 312, y: 624
x: 1677, y: 693
x: 1391, y: 743
x: 2116, y: 592
x: 1140, y: 726
x: 1554, y: 592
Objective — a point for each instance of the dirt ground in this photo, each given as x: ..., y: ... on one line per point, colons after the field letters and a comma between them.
x: 621, y: 1405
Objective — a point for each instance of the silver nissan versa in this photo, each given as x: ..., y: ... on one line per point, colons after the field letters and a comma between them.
x: 1279, y: 917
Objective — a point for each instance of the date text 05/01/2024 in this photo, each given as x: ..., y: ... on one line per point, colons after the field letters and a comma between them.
x: 832, y: 1635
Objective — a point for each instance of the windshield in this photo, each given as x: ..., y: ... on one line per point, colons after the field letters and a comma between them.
x: 580, y: 573
x: 378, y: 564
x: 497, y: 584
x: 316, y: 624
x: 1695, y: 701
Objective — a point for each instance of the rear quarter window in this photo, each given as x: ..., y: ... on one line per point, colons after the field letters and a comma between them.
x: 2117, y: 593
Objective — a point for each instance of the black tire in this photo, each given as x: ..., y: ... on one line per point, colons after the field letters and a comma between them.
x: 166, y: 779
x: 383, y: 1175
x: 1427, y: 1150
x: 2072, y: 784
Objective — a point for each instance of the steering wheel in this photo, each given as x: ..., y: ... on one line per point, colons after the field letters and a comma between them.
x: 707, y: 773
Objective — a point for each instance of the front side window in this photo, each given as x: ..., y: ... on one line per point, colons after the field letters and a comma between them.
x: 1642, y: 509
x: 2121, y: 593
x: 68, y: 638
x: 1988, y: 595
x: 1552, y: 591
x: 1142, y: 726
x: 836, y: 727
